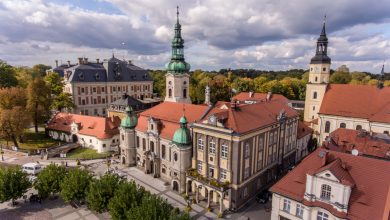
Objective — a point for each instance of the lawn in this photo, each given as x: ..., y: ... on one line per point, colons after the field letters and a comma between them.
x: 86, y: 153
x: 33, y: 140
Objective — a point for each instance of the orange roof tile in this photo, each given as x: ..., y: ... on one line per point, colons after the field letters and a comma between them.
x: 370, y: 194
x: 99, y: 127
x: 303, y: 130
x: 347, y: 100
x: 244, y: 96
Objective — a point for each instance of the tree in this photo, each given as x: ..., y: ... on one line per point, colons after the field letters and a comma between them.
x: 12, y: 97
x: 126, y: 196
x: 7, y: 75
x: 49, y: 179
x: 38, y: 102
x: 75, y: 185
x: 39, y: 70
x: 13, y: 122
x: 62, y: 101
x: 55, y: 83
x: 101, y: 191
x: 13, y: 183
x: 340, y: 78
x: 24, y: 76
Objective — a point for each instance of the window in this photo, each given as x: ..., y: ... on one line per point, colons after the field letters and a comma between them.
x: 94, y: 89
x: 224, y: 150
x: 82, y: 90
x: 222, y: 175
x: 299, y: 211
x: 286, y: 205
x: 104, y: 145
x: 152, y: 146
x: 200, y: 143
x: 211, y: 172
x: 175, y: 156
x: 324, y: 69
x: 246, y: 150
x: 322, y: 216
x: 259, y: 160
x: 102, y: 89
x: 185, y: 93
x: 90, y: 141
x: 343, y: 125
x: 314, y: 95
x: 137, y: 142
x: 103, y: 100
x: 169, y: 93
x: 327, y: 126
x: 246, y: 172
x: 95, y: 111
x: 358, y: 127
x: 212, y: 147
x: 114, y: 89
x: 163, y: 151
x: 163, y: 170
x: 316, y: 79
x: 94, y: 101
x: 123, y: 137
x: 261, y: 143
x: 143, y: 144
x: 314, y: 108
x: 200, y: 166
x: 385, y: 132
x: 325, y: 192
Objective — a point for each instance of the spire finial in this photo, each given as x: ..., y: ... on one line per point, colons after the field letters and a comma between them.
x: 177, y: 13
x: 324, y: 18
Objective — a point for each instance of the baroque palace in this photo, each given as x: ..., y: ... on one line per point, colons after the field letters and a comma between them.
x: 221, y: 154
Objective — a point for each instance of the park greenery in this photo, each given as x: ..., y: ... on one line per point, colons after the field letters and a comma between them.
x: 108, y: 193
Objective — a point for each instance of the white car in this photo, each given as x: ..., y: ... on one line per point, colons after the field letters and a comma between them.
x: 32, y: 168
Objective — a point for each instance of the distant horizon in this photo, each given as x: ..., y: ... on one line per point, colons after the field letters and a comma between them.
x: 263, y: 35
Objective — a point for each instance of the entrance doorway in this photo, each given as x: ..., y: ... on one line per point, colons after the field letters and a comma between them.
x: 74, y: 138
x: 175, y: 186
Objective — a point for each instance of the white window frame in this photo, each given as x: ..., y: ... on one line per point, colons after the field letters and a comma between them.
x: 322, y: 216
x: 326, y: 192
x: 299, y: 211
x: 224, y: 150
x: 247, y: 172
x: 200, y: 143
x: 223, y: 174
x: 211, y: 169
x: 212, y: 147
x: 200, y: 166
x: 286, y: 205
x: 246, y: 150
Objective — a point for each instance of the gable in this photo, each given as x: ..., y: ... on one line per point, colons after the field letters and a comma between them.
x: 328, y: 175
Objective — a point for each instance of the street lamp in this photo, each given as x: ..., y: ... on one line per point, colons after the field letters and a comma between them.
x: 2, y: 152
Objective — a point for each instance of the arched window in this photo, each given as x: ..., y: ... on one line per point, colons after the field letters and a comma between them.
x: 175, y: 156
x: 325, y: 192
x: 327, y: 126
x: 316, y: 79
x: 184, y: 93
x: 343, y: 125
x: 314, y: 95
x: 358, y: 127
x: 163, y: 151
x: 169, y: 93
x: 152, y: 146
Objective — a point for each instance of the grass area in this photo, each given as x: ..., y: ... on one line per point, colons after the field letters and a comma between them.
x: 33, y: 140
x: 86, y: 153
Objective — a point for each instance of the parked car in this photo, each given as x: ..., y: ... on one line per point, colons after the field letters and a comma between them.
x: 263, y: 197
x: 32, y: 168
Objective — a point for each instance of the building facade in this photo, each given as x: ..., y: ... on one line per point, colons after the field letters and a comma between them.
x: 94, y: 85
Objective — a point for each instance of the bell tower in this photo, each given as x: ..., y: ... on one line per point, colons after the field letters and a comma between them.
x: 318, y: 77
x: 177, y: 78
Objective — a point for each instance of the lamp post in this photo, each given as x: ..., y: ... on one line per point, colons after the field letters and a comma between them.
x: 2, y: 152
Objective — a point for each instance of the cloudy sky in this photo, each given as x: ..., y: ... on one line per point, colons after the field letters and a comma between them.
x: 261, y: 34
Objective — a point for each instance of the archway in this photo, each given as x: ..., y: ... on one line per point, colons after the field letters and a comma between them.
x: 189, y: 186
x: 151, y: 167
x: 175, y: 186
x: 74, y: 138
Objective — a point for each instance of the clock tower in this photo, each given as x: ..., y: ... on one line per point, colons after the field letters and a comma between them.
x: 177, y: 79
x: 318, y: 78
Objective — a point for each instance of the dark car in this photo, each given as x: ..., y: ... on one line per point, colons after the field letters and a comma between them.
x: 263, y: 197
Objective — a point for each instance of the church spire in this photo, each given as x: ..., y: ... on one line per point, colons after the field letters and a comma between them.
x: 322, y: 47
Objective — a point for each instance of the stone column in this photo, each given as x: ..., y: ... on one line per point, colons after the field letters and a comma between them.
x: 221, y: 203
x: 208, y: 198
x: 197, y: 194
x: 186, y: 185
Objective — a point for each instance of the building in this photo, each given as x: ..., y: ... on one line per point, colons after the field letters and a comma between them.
x: 330, y: 185
x: 94, y: 85
x: 98, y: 133
x: 118, y: 107
x: 255, y: 97
x: 239, y: 150
x: 304, y: 135
x: 59, y: 69
x: 359, y: 142
x: 332, y: 106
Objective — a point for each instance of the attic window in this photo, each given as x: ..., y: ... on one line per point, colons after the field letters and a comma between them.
x: 327, y: 175
x: 81, y: 75
x: 97, y: 76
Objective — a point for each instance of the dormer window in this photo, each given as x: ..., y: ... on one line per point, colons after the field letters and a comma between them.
x: 325, y: 192
x: 81, y: 75
x: 97, y: 76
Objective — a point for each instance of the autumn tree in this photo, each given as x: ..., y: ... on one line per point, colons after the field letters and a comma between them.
x: 12, y: 97
x: 13, y: 123
x: 39, y: 70
x: 13, y: 183
x: 38, y: 102
x: 7, y: 75
x: 49, y: 180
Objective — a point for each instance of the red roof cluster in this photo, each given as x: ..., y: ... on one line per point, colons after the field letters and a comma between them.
x: 99, y: 127
x: 259, y: 97
x: 169, y: 114
x: 369, y: 178
x: 303, y: 130
x: 347, y: 100
x: 366, y: 144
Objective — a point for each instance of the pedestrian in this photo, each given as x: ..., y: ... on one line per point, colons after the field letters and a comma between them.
x: 66, y: 164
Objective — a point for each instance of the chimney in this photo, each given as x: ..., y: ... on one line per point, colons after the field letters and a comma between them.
x: 250, y: 94
x: 56, y: 63
x: 85, y: 60
x: 269, y: 96
x: 207, y: 95
x: 97, y: 60
x: 68, y: 62
x: 130, y: 62
x: 80, y: 60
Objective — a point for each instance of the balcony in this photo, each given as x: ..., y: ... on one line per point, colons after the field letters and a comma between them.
x: 213, y: 183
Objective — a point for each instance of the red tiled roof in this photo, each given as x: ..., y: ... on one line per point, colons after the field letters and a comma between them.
x: 345, y: 140
x: 338, y: 170
x: 248, y: 117
x: 169, y: 114
x: 243, y: 96
x: 370, y: 196
x: 303, y: 130
x: 99, y: 127
x: 347, y: 100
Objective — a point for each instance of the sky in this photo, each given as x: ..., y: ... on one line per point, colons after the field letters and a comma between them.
x: 258, y: 34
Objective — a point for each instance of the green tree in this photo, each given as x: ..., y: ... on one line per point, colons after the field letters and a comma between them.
x: 49, y: 179
x: 101, y: 191
x: 243, y: 84
x: 39, y: 70
x: 38, y: 102
x: 55, y: 83
x: 75, y: 185
x: 13, y: 183
x: 62, y: 101
x: 24, y: 76
x: 126, y: 196
x: 7, y: 75
x: 340, y: 78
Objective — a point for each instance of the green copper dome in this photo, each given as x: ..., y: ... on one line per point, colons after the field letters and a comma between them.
x: 130, y: 120
x: 182, y: 135
x: 178, y: 64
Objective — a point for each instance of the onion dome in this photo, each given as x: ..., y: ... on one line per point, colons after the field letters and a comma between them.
x: 130, y: 120
x: 182, y: 135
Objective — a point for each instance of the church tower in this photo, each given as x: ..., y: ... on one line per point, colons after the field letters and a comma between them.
x: 318, y: 78
x: 127, y: 140
x: 177, y: 78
